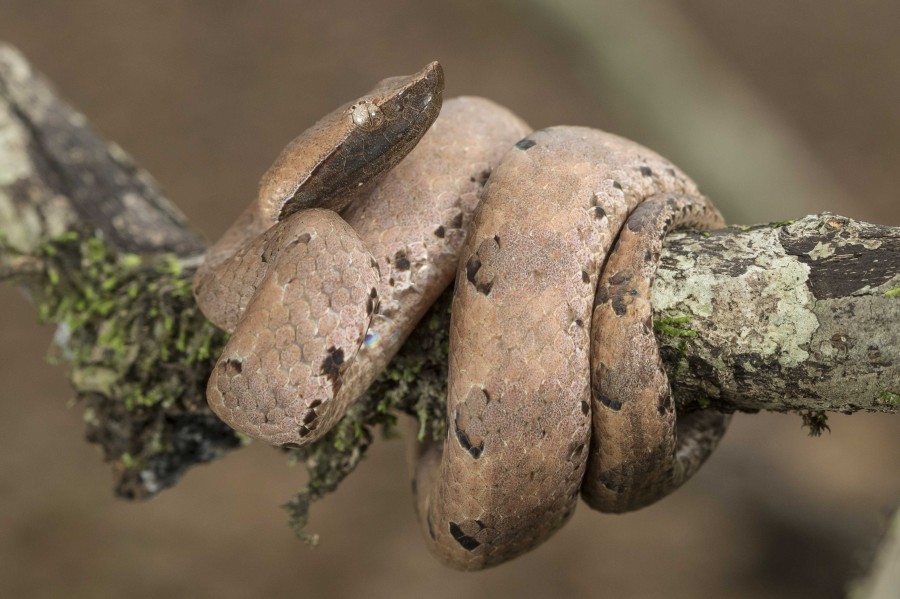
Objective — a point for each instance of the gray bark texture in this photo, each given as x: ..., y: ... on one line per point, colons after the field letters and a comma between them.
x: 56, y: 174
x: 789, y: 317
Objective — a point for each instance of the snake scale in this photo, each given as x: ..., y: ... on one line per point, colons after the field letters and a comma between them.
x: 556, y: 387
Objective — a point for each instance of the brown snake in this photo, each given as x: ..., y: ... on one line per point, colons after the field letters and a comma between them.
x: 556, y: 387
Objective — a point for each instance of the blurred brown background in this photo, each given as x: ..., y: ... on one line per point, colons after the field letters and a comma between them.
x: 205, y: 93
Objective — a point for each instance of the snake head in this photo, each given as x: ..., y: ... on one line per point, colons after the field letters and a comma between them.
x: 352, y: 146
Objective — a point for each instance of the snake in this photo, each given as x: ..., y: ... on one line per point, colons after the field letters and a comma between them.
x: 552, y: 238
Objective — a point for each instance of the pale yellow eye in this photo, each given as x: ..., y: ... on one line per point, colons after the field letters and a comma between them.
x: 366, y: 115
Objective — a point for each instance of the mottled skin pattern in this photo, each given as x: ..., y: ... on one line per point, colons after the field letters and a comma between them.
x: 281, y: 369
x: 519, y: 401
x: 636, y: 456
x: 407, y: 233
x: 331, y: 164
x: 319, y: 304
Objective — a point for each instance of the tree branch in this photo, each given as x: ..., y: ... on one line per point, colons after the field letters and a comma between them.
x: 790, y: 317
x: 56, y: 174
x: 795, y: 317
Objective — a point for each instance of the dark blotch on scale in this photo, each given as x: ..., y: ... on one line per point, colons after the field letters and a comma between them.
x: 618, y: 305
x: 474, y: 450
x: 332, y: 362
x: 464, y: 442
x: 643, y: 217
x: 619, y: 278
x: 440, y: 232
x: 372, y: 302
x: 597, y: 392
x: 526, y: 143
x: 473, y: 265
x: 233, y: 367
x: 646, y: 171
x: 401, y: 261
x: 602, y: 295
x: 466, y: 542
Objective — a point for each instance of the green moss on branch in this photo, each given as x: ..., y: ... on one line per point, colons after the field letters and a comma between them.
x: 139, y: 352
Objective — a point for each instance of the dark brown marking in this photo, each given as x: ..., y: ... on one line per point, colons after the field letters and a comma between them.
x: 474, y: 450
x: 525, y: 144
x: 233, y: 367
x: 331, y: 364
x: 473, y: 265
x: 466, y: 542
x: 440, y: 232
x: 619, y: 278
x: 401, y: 261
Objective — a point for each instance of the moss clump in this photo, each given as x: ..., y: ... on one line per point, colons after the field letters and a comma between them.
x: 673, y: 327
x: 816, y: 422
x: 893, y: 292
x: 140, y: 352
x: 889, y: 397
x: 415, y: 382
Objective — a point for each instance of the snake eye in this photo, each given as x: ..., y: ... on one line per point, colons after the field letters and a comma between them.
x: 366, y: 115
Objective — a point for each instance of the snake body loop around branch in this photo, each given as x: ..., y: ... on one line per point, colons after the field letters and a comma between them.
x: 319, y: 303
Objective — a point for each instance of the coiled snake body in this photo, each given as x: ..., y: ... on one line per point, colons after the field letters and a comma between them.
x: 555, y: 383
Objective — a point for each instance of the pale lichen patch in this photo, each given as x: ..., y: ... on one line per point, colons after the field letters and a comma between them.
x: 822, y: 250
x: 788, y: 304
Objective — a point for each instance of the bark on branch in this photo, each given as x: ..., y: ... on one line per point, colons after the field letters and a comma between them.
x: 787, y: 317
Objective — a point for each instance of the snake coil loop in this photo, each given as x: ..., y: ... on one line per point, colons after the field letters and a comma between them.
x: 555, y: 383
